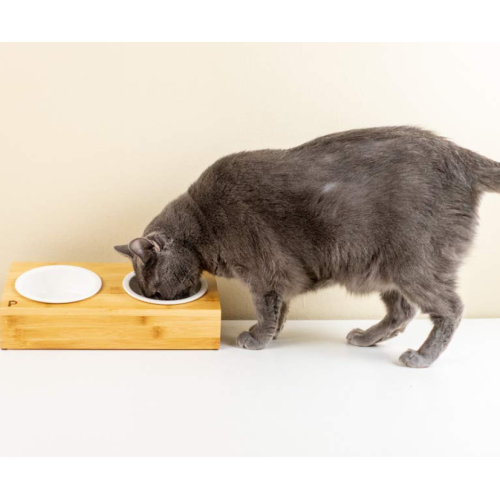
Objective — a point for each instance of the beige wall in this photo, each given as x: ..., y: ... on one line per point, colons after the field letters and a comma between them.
x: 96, y: 138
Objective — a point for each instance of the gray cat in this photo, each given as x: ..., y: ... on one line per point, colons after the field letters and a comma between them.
x: 390, y: 210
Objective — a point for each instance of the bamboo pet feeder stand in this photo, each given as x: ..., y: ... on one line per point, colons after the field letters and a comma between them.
x: 111, y: 319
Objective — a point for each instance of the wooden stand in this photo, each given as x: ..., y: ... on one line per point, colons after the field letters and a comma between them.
x: 111, y: 319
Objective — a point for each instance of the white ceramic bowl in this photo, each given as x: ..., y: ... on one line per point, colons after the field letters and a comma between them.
x: 58, y: 284
x: 126, y: 285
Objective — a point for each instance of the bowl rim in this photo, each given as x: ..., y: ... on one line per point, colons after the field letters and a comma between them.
x: 202, y: 291
x: 22, y: 277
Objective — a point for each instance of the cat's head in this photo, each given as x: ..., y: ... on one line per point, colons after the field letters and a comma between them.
x: 165, y: 269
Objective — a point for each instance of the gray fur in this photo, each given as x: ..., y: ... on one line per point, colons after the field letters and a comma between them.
x: 390, y: 210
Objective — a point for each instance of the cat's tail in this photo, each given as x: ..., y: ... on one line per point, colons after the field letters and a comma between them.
x: 485, y: 172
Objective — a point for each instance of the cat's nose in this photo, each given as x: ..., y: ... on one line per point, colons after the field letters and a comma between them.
x: 157, y: 296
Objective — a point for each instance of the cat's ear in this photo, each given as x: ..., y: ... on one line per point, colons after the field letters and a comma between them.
x: 124, y: 250
x: 143, y: 248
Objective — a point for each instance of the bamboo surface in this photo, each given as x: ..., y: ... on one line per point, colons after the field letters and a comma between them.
x: 111, y: 319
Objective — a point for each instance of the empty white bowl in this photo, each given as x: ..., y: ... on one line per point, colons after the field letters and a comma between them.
x: 126, y: 285
x: 58, y: 284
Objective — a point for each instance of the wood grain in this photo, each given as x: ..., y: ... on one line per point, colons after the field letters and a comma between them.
x: 111, y: 319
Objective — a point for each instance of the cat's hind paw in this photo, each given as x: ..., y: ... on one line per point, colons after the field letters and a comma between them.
x: 413, y: 359
x: 359, y: 338
x: 246, y: 341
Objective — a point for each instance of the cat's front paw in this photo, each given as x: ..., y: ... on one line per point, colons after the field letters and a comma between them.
x: 413, y: 359
x: 359, y: 338
x: 246, y: 341
x: 275, y: 336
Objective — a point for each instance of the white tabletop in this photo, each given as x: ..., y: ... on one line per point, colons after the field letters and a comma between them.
x: 308, y: 393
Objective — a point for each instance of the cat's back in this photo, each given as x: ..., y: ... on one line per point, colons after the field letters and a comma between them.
x: 384, y: 158
x: 370, y: 136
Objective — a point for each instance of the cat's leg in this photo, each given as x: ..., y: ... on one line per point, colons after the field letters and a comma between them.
x: 285, y: 305
x: 399, y: 313
x: 268, y: 308
x: 445, y: 312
